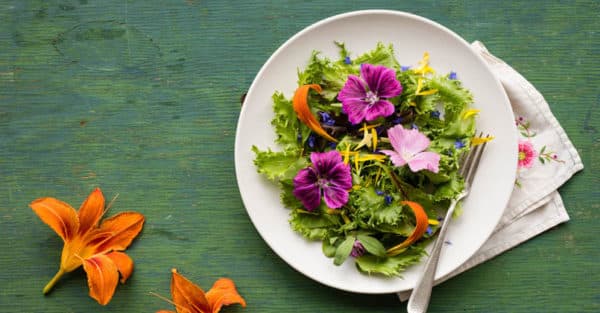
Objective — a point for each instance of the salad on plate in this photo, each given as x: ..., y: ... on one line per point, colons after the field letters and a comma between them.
x: 366, y: 155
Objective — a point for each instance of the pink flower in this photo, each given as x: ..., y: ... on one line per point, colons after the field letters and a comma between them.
x: 409, y: 146
x: 527, y: 154
x: 363, y: 97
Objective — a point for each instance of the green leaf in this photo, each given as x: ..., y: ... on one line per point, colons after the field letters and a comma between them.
x: 329, y: 248
x: 372, y: 245
x: 343, y: 250
x: 286, y: 124
x: 279, y: 165
x: 314, y: 225
x: 389, y: 266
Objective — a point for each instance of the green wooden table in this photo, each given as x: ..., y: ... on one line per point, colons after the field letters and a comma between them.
x: 141, y: 98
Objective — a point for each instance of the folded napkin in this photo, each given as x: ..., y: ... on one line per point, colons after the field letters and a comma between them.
x: 547, y: 159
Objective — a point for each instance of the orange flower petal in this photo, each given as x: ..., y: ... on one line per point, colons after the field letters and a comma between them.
x: 119, y: 230
x: 103, y: 276
x: 91, y: 211
x: 124, y: 264
x: 165, y: 311
x: 223, y: 292
x: 300, y: 103
x: 422, y: 222
x: 60, y: 216
x: 187, y: 295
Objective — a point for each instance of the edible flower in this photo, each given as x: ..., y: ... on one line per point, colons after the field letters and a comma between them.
x: 358, y: 249
x: 424, y: 67
x: 300, y: 103
x: 327, y: 177
x: 96, y: 247
x: 422, y: 222
x: 527, y: 154
x: 409, y: 146
x: 480, y: 140
x: 190, y: 298
x: 364, y: 97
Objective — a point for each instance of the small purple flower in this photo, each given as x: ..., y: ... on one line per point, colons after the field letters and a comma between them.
x: 311, y: 140
x: 388, y: 199
x: 429, y: 231
x: 435, y: 114
x: 452, y: 75
x: 379, y: 192
x: 347, y: 60
x: 459, y: 144
x: 326, y: 118
x: 357, y: 249
x: 363, y: 98
x: 414, y: 126
x: 404, y: 68
x: 327, y: 177
x: 397, y: 120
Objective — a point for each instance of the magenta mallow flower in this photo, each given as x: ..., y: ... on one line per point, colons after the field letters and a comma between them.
x: 527, y: 154
x: 357, y: 249
x: 365, y: 97
x: 327, y: 177
x: 409, y: 148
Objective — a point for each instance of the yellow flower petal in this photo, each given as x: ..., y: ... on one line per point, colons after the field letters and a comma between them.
x: 479, y: 140
x: 433, y: 221
x: 470, y: 112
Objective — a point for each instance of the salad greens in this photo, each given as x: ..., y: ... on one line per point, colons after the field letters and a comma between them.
x: 398, y: 191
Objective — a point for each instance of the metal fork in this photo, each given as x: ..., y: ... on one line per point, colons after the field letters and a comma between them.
x: 419, y: 299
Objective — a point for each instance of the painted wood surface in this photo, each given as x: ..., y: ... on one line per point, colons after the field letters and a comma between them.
x: 141, y: 98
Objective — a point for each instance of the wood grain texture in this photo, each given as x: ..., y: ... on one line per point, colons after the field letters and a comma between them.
x: 141, y: 98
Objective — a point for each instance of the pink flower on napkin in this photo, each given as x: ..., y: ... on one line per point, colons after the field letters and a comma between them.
x: 527, y: 154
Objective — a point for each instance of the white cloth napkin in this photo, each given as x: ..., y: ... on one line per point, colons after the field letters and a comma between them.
x: 535, y: 204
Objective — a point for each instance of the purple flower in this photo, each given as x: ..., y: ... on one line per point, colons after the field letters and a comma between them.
x: 404, y: 68
x: 435, y: 114
x: 459, y: 144
x: 328, y: 177
x: 347, y: 60
x: 357, y: 249
x: 363, y: 97
x: 409, y: 146
x: 452, y: 75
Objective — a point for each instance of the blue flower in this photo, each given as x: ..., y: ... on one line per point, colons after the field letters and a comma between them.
x: 404, y: 68
x: 458, y: 144
x: 452, y: 75
x: 435, y: 114
x: 347, y: 60
x: 326, y: 118
x: 388, y: 199
x: 414, y: 126
x: 379, y: 192
x: 311, y: 140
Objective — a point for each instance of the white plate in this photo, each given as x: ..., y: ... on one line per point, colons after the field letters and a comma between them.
x: 411, y: 36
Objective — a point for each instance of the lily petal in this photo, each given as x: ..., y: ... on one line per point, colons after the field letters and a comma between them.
x: 119, y: 231
x: 60, y: 216
x: 223, y: 292
x: 103, y: 276
x: 302, y: 110
x: 91, y: 211
x: 124, y: 264
x: 187, y: 296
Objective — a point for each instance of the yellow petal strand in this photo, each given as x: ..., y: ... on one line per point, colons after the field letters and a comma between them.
x: 433, y: 221
x: 479, y: 140
x: 346, y: 154
x: 223, y: 292
x: 374, y: 137
x: 424, y: 67
x: 60, y: 216
x: 470, y: 112
x: 300, y: 103
x: 102, y: 277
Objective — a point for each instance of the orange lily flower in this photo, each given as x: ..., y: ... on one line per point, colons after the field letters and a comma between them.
x: 96, y: 247
x: 189, y: 298
x: 300, y: 103
x: 422, y: 222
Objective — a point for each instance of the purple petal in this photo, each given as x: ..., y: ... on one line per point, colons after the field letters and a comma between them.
x: 396, y: 157
x: 335, y: 197
x: 381, y: 80
x: 324, y: 161
x: 425, y: 161
x: 340, y: 176
x: 381, y: 108
x: 355, y: 88
x: 306, y: 189
x: 355, y: 109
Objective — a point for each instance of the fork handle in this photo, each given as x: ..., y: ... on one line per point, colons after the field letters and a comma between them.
x: 419, y: 298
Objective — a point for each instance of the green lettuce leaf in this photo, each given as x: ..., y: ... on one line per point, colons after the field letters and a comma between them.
x: 279, y: 165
